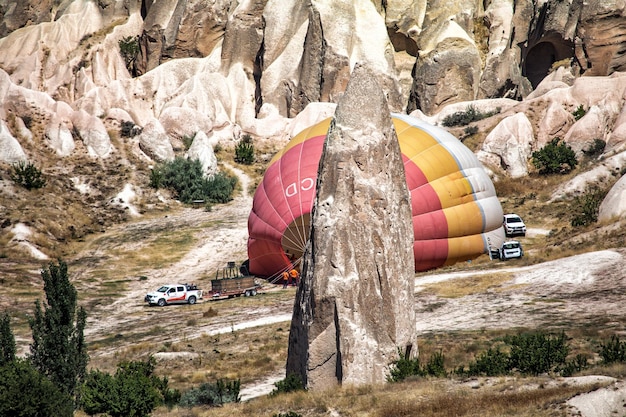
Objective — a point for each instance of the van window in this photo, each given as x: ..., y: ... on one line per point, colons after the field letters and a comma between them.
x: 510, y: 245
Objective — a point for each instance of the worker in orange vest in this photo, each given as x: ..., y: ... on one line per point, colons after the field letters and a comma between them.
x: 286, y: 278
x: 294, y: 275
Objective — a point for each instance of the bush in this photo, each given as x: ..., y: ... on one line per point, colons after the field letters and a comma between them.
x: 492, y: 362
x: 186, y: 179
x: 586, y: 207
x: 554, y: 158
x: 462, y: 118
x: 244, y: 151
x: 595, y: 149
x: 404, y: 368
x: 579, y: 112
x: 25, y: 392
x: 291, y: 383
x: 27, y: 175
x: 578, y: 364
x: 221, y: 392
x: 537, y: 353
x: 613, y: 351
x: 129, y: 49
x: 435, y: 365
x: 134, y: 390
x: 129, y: 129
x: 470, y: 130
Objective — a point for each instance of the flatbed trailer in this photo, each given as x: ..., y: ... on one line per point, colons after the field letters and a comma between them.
x: 230, y: 282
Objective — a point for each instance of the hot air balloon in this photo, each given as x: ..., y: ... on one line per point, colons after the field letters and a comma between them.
x: 456, y: 213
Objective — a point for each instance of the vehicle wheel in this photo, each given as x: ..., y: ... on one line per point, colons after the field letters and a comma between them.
x: 247, y: 293
x: 161, y: 302
x: 192, y: 300
x: 253, y: 293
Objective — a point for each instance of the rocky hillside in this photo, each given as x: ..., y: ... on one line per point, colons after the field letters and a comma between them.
x: 94, y: 93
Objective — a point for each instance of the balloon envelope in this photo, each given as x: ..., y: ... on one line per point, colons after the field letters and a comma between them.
x: 456, y: 213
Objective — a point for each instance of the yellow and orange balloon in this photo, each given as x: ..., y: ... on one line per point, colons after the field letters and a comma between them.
x: 456, y: 213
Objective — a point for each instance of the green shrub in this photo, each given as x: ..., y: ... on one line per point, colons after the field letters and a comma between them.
x: 470, y: 130
x: 186, y: 179
x: 537, y: 353
x: 134, y: 390
x: 587, y: 206
x: 407, y: 367
x: 404, y: 367
x: 595, y: 149
x: 187, y: 141
x: 579, y: 112
x: 554, y: 158
x: 25, y: 392
x: 129, y: 49
x: 435, y: 365
x: 244, y: 151
x: 492, y: 362
x: 291, y: 383
x: 462, y: 118
x: 27, y: 175
x: 216, y: 394
x: 129, y: 129
x: 613, y: 351
x: 579, y: 363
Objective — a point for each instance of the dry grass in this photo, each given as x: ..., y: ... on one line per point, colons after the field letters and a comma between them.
x: 461, y: 287
x: 424, y: 398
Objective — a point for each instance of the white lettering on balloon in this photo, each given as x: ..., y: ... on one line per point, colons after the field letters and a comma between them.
x: 305, y: 185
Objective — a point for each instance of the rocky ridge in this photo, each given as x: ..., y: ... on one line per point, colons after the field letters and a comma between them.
x: 216, y: 71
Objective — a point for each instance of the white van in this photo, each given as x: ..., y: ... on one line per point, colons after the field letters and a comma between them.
x: 511, y: 249
x: 513, y: 225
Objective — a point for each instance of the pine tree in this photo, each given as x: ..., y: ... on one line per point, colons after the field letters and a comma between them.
x: 59, y: 350
x: 7, y: 340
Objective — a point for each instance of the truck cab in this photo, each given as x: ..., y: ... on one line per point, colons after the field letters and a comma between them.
x: 174, y: 294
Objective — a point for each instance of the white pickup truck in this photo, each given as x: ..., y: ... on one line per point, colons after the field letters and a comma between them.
x: 174, y: 294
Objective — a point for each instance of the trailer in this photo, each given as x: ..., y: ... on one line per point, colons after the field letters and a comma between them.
x: 231, y: 282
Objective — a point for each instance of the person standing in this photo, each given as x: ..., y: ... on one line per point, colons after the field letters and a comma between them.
x: 293, y: 276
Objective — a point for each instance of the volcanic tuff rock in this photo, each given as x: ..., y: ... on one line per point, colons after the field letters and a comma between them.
x: 229, y: 68
x: 353, y: 309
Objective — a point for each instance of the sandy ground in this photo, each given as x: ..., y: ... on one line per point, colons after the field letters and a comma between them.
x: 580, y: 289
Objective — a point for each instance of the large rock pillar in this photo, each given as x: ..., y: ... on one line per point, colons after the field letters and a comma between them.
x: 354, y: 307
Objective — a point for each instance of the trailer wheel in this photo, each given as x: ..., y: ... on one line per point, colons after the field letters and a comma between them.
x: 247, y: 293
x: 161, y: 302
x: 192, y: 300
x: 253, y: 292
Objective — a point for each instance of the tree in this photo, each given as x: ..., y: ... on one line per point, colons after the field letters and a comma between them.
x: 59, y: 350
x: 7, y: 340
x: 25, y: 392
x: 555, y: 158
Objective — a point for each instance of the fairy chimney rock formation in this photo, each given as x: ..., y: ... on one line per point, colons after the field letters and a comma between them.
x: 354, y: 307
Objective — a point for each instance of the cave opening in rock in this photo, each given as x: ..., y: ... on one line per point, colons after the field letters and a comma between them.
x: 541, y: 56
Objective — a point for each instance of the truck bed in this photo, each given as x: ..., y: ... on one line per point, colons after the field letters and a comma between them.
x: 232, y: 285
